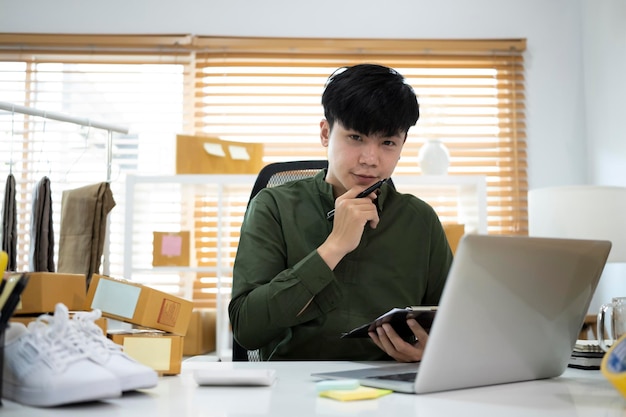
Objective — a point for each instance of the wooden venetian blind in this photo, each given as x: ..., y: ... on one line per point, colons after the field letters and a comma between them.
x: 471, y: 95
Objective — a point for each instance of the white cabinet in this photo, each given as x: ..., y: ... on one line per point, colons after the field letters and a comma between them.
x: 211, y: 208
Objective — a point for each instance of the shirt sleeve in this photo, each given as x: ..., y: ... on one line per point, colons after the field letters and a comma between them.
x: 269, y: 296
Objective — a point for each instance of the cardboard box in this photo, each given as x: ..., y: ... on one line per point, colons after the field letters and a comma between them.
x: 207, y: 155
x: 200, y: 337
x: 45, y: 289
x: 163, y: 352
x: 138, y: 304
x: 454, y: 232
x: 25, y: 320
x: 170, y: 248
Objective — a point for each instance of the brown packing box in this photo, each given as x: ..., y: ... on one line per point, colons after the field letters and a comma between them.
x: 170, y: 248
x: 101, y: 322
x: 454, y: 232
x: 163, y: 352
x: 207, y: 155
x: 45, y: 289
x: 200, y: 337
x: 138, y: 304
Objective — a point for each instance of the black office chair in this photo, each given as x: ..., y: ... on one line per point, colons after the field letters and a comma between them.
x: 271, y: 175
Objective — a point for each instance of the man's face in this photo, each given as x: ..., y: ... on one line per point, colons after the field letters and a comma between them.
x: 357, y: 159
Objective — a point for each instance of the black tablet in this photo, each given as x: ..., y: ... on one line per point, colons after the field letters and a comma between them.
x: 397, y: 317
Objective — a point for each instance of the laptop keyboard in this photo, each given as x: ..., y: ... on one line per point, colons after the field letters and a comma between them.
x: 407, y: 376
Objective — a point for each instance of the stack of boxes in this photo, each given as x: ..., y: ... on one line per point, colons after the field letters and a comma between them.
x: 158, y: 322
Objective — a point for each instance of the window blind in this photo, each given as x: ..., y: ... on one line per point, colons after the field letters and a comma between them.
x: 471, y: 96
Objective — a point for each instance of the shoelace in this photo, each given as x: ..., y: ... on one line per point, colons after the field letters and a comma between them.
x: 98, y: 346
x: 51, y: 341
x: 59, y: 341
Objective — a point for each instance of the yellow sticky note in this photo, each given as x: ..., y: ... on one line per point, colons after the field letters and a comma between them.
x: 360, y: 393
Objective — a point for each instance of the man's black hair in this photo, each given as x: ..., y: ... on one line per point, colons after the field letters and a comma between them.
x: 371, y: 99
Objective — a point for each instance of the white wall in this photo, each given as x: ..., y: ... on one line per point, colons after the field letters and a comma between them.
x: 576, y: 57
x: 604, y: 54
x: 603, y: 37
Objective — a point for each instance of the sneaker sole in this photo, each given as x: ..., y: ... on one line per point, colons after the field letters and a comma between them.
x: 135, y: 382
x: 51, y: 398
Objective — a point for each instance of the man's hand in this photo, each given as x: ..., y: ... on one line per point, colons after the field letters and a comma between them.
x: 388, y: 340
x: 351, y: 216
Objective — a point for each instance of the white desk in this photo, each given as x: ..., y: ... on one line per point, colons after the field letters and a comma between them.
x: 576, y: 393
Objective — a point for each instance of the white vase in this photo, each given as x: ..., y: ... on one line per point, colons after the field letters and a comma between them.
x: 433, y: 158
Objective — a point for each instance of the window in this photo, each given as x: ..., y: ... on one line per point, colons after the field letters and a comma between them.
x: 249, y: 89
x: 139, y: 91
x: 471, y: 96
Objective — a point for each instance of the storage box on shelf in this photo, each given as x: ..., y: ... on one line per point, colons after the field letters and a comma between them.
x: 210, y: 155
x: 211, y: 208
x: 170, y: 248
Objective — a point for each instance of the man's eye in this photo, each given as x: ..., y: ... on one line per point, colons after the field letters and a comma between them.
x: 355, y: 137
x: 389, y: 143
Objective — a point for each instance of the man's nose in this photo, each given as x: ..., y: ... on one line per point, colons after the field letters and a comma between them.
x: 369, y: 154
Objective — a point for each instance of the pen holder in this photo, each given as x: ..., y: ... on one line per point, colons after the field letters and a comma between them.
x: 2, y: 330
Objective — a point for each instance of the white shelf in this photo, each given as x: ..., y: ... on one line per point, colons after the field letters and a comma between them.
x: 463, y: 195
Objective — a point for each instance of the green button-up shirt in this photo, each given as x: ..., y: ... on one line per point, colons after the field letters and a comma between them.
x: 277, y: 271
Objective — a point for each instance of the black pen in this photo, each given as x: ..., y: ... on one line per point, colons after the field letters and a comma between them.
x: 362, y: 194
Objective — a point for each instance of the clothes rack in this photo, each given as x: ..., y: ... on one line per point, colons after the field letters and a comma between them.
x: 16, y: 108
x: 110, y: 128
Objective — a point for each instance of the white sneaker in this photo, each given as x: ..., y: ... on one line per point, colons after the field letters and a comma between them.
x: 100, y: 349
x: 41, y: 370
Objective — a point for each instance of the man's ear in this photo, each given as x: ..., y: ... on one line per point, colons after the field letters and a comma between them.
x: 324, y: 132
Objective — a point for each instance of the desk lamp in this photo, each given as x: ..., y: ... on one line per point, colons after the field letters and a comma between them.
x: 584, y: 212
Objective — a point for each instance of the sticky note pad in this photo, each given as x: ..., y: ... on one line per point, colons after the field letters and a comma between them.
x: 361, y: 393
x: 338, y: 384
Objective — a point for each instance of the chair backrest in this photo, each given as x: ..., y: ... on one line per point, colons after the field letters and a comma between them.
x: 273, y: 174
x: 278, y: 173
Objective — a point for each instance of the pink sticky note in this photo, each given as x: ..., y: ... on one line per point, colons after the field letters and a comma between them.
x: 171, y: 245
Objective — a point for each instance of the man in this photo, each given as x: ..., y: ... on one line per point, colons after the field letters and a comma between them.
x: 300, y: 278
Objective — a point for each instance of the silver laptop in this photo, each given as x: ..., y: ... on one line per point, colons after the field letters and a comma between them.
x: 511, y: 311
